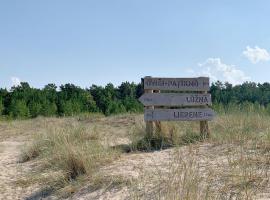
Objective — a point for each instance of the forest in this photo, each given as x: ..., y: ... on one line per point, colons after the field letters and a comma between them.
x: 24, y: 101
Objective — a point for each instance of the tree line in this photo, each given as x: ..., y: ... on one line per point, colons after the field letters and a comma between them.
x: 24, y: 101
x: 226, y: 93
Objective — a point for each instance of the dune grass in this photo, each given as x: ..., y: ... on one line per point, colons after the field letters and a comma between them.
x: 71, y: 152
x: 67, y: 155
x: 232, y: 164
x: 226, y: 128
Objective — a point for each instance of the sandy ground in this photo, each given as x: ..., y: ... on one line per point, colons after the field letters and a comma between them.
x: 11, y: 170
x: 129, y: 166
x: 137, y: 165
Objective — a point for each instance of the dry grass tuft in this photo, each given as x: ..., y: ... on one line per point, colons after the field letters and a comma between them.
x: 169, y: 135
x: 71, y: 151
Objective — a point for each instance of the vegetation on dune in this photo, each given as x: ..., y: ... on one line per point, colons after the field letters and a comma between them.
x: 68, y: 153
x: 234, y: 162
x: 234, y: 122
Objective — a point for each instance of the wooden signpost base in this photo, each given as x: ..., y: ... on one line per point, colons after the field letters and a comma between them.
x: 149, y: 124
x: 204, y: 129
x: 157, y: 123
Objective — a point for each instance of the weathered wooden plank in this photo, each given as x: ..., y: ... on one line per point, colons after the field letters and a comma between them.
x: 177, y: 84
x: 175, y: 99
x: 185, y: 114
x: 204, y: 128
x: 149, y: 124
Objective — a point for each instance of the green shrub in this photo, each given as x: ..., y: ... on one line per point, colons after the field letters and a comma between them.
x: 49, y: 109
x: 1, y: 106
x: 18, y: 109
x: 35, y: 109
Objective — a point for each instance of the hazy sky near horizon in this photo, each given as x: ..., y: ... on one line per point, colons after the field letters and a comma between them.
x: 89, y: 42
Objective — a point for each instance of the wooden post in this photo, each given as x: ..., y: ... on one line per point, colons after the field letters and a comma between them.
x: 204, y: 129
x: 157, y: 123
x: 149, y: 124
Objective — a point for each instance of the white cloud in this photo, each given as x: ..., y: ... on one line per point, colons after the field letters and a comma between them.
x: 256, y: 54
x: 15, y: 81
x: 216, y: 70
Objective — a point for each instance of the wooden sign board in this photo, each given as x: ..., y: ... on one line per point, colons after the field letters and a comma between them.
x: 185, y: 114
x: 175, y: 99
x: 177, y: 84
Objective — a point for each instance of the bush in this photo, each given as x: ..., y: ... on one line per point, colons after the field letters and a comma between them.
x: 18, y: 109
x: 49, y: 109
x: 115, y: 107
x: 1, y: 106
x: 132, y: 105
x: 35, y: 109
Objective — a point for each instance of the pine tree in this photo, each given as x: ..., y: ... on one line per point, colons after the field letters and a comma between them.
x: 19, y: 109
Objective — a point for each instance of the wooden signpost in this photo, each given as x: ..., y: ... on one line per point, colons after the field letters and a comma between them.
x: 186, y: 106
x: 175, y: 99
x: 185, y: 114
x: 177, y: 84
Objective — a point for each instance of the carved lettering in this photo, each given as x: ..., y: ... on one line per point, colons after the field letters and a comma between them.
x: 196, y: 84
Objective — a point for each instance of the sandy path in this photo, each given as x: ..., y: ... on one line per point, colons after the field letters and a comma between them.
x: 11, y: 170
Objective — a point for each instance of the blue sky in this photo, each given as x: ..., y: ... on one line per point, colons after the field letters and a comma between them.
x: 101, y: 41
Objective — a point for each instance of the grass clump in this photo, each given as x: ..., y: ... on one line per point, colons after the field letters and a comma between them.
x: 72, y: 152
x: 155, y: 142
x: 141, y: 141
x: 166, y: 135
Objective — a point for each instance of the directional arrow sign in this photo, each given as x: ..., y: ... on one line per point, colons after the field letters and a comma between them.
x: 177, y: 84
x: 187, y: 114
x: 175, y: 99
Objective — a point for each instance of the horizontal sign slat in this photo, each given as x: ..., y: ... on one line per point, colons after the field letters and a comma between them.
x: 175, y: 99
x: 185, y: 114
x: 177, y: 84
